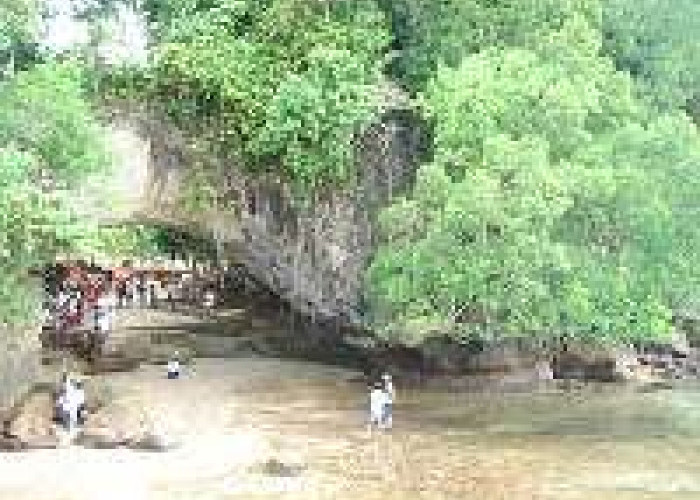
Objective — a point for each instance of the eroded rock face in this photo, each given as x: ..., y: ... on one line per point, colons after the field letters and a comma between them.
x: 20, y: 364
x: 312, y: 257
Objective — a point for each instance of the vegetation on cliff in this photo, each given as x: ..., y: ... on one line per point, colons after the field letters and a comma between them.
x: 561, y: 195
x: 50, y: 140
x: 282, y: 85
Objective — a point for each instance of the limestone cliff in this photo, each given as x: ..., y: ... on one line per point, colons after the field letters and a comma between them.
x: 313, y: 257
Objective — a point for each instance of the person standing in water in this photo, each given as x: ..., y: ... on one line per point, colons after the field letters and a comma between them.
x: 377, y: 400
x: 68, y: 404
x: 387, y: 414
x: 79, y: 402
x: 174, y: 366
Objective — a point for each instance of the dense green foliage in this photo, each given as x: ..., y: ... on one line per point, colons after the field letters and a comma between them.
x: 561, y: 196
x: 658, y: 43
x: 281, y: 84
x: 44, y: 111
x: 18, y: 26
x: 17, y: 22
x: 49, y: 141
x: 556, y: 202
x: 427, y: 32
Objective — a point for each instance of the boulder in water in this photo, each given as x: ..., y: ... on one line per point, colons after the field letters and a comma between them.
x: 12, y: 444
x: 655, y: 385
x: 102, y: 439
x: 152, y: 442
x: 49, y: 442
x: 274, y: 467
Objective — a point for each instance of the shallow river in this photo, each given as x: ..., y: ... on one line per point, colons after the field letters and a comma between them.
x: 233, y: 414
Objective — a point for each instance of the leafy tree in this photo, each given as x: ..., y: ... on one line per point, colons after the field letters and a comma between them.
x: 658, y: 44
x: 283, y: 84
x: 49, y: 141
x: 18, y: 26
x: 545, y: 209
x: 428, y: 33
x: 31, y: 227
x: 45, y: 111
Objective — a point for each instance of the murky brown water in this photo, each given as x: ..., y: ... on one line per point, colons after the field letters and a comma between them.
x: 600, y: 442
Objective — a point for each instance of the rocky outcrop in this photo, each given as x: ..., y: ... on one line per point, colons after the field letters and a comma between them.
x: 311, y: 256
x: 20, y: 365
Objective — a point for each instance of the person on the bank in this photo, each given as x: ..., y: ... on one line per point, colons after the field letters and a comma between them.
x: 387, y: 415
x: 174, y: 366
x: 103, y: 312
x: 151, y: 295
x: 377, y: 400
x: 68, y: 404
x: 59, y: 403
x: 209, y: 301
x: 79, y: 402
x: 136, y: 294
x: 111, y: 305
x: 121, y: 293
x: 171, y: 294
x: 142, y: 291
x: 61, y: 317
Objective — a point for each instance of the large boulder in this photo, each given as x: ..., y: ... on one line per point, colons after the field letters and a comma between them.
x: 586, y: 365
x: 152, y: 437
x: 511, y: 355
x: 100, y: 433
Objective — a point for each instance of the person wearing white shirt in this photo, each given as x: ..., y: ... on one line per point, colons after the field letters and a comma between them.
x: 103, y: 315
x: 135, y: 293
x: 79, y: 402
x: 68, y: 405
x: 112, y: 305
x: 209, y: 302
x: 387, y: 414
x: 174, y: 367
x: 377, y: 400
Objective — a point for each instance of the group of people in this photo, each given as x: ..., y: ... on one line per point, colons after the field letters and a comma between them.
x: 193, y: 291
x: 137, y: 291
x: 381, y: 401
x: 79, y: 301
x: 70, y: 403
x: 64, y: 311
x: 89, y: 299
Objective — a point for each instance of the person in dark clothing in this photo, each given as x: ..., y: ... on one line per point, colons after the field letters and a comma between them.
x: 10, y: 441
x: 121, y: 293
x: 152, y: 295
x: 80, y: 402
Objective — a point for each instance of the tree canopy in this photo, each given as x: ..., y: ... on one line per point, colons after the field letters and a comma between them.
x: 50, y: 140
x: 281, y: 84
x: 557, y: 201
x: 561, y: 193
